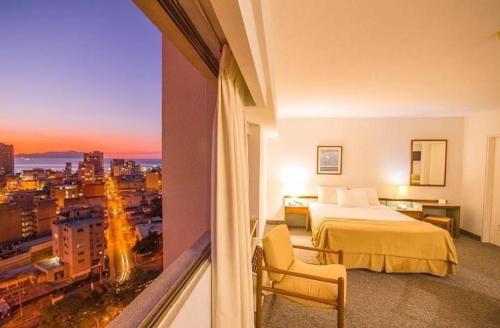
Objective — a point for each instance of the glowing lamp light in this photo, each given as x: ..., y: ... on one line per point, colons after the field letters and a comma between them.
x: 294, y: 179
x: 403, y: 191
x: 396, y: 177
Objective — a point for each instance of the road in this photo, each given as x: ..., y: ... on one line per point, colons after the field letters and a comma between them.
x: 118, y: 237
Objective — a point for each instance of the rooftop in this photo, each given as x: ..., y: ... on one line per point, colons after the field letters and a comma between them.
x: 77, y: 222
x: 49, y: 263
x: 22, y: 270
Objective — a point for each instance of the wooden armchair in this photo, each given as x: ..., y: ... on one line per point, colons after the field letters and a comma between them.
x: 308, y: 284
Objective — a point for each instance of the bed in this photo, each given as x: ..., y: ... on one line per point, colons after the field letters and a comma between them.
x: 381, y: 239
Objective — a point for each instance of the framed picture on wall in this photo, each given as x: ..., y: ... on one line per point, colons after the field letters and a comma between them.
x: 329, y: 160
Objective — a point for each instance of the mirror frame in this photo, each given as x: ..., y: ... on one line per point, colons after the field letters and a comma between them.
x: 445, y: 163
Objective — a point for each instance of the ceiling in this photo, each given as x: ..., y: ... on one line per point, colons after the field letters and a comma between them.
x: 384, y: 58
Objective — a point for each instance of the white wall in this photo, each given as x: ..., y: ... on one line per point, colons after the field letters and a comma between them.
x: 197, y: 309
x: 477, y: 128
x: 376, y: 152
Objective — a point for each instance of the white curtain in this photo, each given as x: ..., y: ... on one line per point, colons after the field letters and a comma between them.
x: 231, y: 252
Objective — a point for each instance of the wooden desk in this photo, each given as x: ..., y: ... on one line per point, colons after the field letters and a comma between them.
x: 420, y: 207
x: 451, y: 211
x: 416, y: 214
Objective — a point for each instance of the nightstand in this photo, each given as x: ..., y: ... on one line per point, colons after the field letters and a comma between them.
x: 298, y: 210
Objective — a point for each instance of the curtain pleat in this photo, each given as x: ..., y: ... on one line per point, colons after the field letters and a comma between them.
x: 231, y: 251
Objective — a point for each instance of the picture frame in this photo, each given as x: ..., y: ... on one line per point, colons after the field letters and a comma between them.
x: 329, y: 160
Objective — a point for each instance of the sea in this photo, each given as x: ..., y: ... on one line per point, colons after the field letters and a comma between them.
x: 23, y: 163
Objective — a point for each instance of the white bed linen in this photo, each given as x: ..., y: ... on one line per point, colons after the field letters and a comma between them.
x: 319, y: 212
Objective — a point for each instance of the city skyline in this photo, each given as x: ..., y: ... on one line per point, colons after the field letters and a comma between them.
x: 80, y: 77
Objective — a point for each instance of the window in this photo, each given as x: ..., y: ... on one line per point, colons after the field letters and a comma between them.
x: 128, y: 93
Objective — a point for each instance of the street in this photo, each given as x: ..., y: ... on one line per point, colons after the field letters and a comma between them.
x: 118, y: 238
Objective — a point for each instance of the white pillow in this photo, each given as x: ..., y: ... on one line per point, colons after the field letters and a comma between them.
x: 352, y: 198
x: 372, y: 195
x: 328, y: 194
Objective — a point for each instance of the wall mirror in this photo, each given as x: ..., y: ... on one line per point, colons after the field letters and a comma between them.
x: 428, y: 162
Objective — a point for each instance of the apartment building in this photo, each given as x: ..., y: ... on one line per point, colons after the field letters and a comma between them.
x: 27, y: 219
x: 79, y: 243
x: 120, y: 167
x: 6, y: 159
x: 86, y: 172
x: 10, y: 221
x: 45, y: 212
x: 96, y: 159
x: 153, y: 181
x: 63, y: 192
x: 93, y: 189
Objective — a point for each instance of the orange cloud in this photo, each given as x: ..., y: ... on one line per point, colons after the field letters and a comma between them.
x: 110, y: 143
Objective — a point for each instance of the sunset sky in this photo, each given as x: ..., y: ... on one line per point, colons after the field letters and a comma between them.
x: 80, y: 75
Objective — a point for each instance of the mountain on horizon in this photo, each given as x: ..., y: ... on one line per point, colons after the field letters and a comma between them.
x: 52, y: 154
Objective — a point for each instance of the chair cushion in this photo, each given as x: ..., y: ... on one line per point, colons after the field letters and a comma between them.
x: 278, y: 250
x: 325, y: 290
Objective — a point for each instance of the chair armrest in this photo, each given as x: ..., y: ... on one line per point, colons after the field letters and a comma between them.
x: 324, y: 250
x: 300, y: 275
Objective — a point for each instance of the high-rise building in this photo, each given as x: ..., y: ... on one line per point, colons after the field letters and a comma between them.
x: 116, y: 166
x: 6, y: 159
x: 121, y: 167
x: 79, y: 243
x: 96, y: 158
x: 131, y: 168
x: 86, y: 172
x: 67, y: 170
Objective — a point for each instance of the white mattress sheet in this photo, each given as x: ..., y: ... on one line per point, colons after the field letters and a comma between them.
x: 319, y: 212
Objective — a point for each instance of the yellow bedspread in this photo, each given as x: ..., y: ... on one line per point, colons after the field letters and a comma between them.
x: 391, y: 246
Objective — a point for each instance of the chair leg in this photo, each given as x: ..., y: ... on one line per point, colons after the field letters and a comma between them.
x: 258, y: 293
x: 340, y: 317
x: 340, y: 300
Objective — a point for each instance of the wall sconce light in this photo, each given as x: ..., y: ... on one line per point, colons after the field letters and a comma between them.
x: 294, y: 179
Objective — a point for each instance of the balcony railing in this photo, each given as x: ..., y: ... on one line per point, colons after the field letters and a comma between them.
x: 154, y: 305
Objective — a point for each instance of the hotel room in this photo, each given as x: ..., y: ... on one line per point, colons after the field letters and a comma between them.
x: 354, y: 163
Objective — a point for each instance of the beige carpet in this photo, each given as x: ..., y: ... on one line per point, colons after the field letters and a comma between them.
x: 470, y: 298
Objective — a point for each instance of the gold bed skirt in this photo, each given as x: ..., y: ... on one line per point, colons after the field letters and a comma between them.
x: 394, y: 264
x: 390, y: 246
